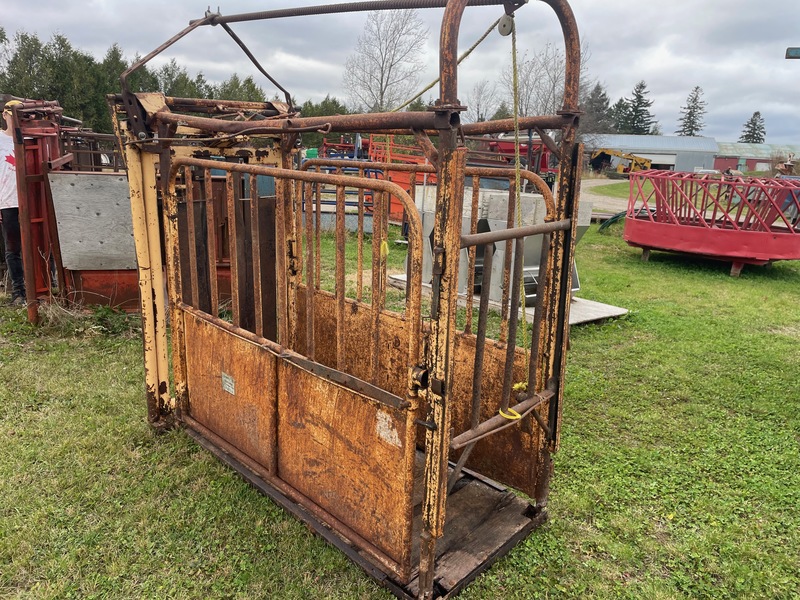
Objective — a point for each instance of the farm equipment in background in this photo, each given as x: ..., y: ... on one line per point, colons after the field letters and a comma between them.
x: 744, y: 220
x: 619, y: 162
x: 74, y: 211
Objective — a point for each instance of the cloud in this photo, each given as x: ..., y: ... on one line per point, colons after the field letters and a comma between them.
x: 733, y: 49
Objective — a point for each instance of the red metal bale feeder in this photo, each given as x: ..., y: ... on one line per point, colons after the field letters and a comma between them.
x: 744, y: 220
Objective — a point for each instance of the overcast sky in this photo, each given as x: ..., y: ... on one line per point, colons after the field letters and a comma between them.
x: 733, y: 49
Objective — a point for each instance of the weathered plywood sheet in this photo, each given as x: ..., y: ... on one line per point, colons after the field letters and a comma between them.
x: 93, y: 212
x: 232, y: 386
x: 349, y: 455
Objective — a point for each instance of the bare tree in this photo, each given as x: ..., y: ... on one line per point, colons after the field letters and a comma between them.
x: 540, y: 79
x: 481, y: 102
x: 384, y: 69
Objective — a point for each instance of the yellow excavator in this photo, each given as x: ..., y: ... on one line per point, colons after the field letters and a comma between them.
x: 628, y: 163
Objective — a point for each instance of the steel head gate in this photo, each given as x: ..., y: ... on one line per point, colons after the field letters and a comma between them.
x: 384, y: 417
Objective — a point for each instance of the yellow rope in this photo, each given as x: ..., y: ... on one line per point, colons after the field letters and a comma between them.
x: 517, y: 168
x: 462, y: 57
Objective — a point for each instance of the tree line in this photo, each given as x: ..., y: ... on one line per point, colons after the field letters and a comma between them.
x: 382, y: 71
x: 56, y: 70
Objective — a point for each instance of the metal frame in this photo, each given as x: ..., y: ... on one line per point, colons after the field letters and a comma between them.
x: 412, y: 383
x: 745, y: 220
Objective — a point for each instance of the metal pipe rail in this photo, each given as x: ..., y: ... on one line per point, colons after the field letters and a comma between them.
x: 499, y: 422
x: 515, y: 233
x: 470, y: 171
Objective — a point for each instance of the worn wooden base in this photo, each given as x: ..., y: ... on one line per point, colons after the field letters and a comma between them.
x: 484, y: 521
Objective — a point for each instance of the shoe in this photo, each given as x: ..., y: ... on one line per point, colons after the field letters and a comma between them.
x: 18, y: 301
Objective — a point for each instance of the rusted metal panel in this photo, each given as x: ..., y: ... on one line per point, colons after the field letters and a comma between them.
x: 349, y: 455
x: 391, y: 359
x: 117, y: 289
x: 232, y: 384
x: 499, y: 456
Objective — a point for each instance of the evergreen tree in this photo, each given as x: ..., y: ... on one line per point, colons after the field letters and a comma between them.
x: 640, y: 120
x: 597, y: 117
x: 502, y: 112
x: 754, y: 131
x: 620, y: 117
x: 174, y: 80
x: 236, y: 88
x: 418, y: 105
x: 691, y: 119
x: 327, y: 106
x: 23, y: 73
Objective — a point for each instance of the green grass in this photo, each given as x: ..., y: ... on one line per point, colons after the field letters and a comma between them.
x: 620, y: 189
x: 678, y: 474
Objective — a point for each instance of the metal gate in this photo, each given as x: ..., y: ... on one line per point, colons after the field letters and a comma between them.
x: 387, y: 419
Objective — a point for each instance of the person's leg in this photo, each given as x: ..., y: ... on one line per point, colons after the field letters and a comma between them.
x: 11, y: 238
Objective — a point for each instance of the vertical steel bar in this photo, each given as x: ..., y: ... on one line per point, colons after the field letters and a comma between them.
x: 192, y: 234
x: 513, y: 320
x: 290, y: 250
x: 136, y: 167
x: 386, y: 202
x: 472, y: 253
x: 280, y: 261
x: 150, y: 189
x: 233, y: 234
x: 542, y: 284
x: 412, y: 182
x: 318, y: 235
x: 377, y: 241
x: 308, y: 199
x: 211, y: 241
x: 298, y: 224
x: 360, y: 276
x: 255, y: 236
x: 480, y: 342
x: 340, y: 278
x: 174, y: 275
x: 504, y: 310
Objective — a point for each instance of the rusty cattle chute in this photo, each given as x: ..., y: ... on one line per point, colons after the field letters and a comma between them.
x: 375, y: 415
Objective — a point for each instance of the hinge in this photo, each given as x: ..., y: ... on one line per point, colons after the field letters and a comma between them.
x: 436, y: 283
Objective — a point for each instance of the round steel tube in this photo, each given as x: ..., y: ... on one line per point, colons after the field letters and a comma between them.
x: 502, y: 235
x: 339, y: 8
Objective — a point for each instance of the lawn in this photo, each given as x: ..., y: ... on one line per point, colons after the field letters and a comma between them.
x: 678, y: 475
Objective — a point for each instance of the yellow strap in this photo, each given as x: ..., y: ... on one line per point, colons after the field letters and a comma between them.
x: 511, y: 415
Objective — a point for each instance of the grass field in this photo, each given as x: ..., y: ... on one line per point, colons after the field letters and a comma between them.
x: 678, y: 475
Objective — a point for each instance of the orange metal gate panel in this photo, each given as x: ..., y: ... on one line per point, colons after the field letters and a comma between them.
x: 233, y: 382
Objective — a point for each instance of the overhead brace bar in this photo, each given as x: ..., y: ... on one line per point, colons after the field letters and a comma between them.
x: 345, y: 7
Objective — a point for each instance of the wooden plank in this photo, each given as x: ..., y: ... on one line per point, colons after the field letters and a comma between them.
x: 481, y: 544
x: 232, y: 386
x: 93, y: 212
x: 482, y: 524
x: 348, y: 455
